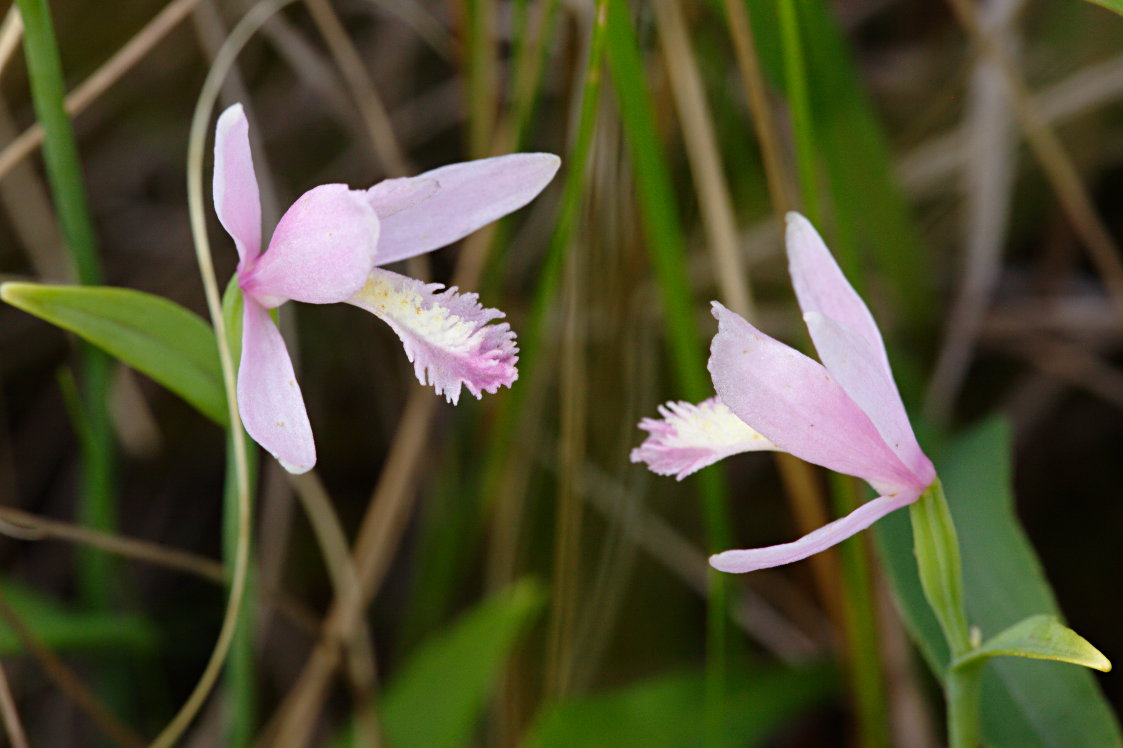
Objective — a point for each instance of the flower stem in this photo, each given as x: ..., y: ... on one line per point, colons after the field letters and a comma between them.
x: 962, y: 692
x: 941, y: 577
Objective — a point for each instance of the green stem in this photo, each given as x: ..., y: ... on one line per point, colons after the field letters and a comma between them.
x: 795, y: 80
x: 941, y: 577
x: 666, y: 244
x: 241, y: 697
x: 860, y: 616
x: 937, y: 557
x: 64, y: 173
x: 962, y: 690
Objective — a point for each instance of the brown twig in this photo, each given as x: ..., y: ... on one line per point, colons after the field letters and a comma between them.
x: 89, y: 703
x: 12, y: 725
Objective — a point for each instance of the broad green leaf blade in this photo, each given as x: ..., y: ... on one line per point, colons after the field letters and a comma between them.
x: 1025, y: 702
x: 437, y: 698
x: 664, y: 712
x: 149, y: 333
x: 1040, y: 638
x: 64, y: 630
x: 1116, y: 5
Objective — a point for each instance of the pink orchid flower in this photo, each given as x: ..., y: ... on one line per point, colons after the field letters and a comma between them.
x: 844, y: 414
x: 329, y: 246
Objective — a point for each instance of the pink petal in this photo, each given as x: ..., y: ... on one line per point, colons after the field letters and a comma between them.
x: 235, y: 185
x: 321, y: 252
x: 847, y: 356
x: 739, y: 562
x: 269, y: 398
x: 689, y: 437
x: 821, y: 287
x: 470, y: 195
x: 447, y: 335
x: 795, y: 402
x: 392, y: 196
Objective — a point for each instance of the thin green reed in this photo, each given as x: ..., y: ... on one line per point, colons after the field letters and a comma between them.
x: 664, y: 239
x: 859, y: 610
x: 64, y: 172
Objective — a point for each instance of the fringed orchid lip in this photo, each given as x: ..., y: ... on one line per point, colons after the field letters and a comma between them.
x: 328, y: 247
x: 844, y: 413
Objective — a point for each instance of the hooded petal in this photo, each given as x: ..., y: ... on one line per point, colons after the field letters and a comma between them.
x: 470, y: 195
x: 321, y: 252
x: 235, y: 186
x: 848, y: 358
x: 447, y: 335
x: 821, y: 287
x: 795, y: 403
x: 738, y: 562
x: 689, y: 437
x: 269, y: 398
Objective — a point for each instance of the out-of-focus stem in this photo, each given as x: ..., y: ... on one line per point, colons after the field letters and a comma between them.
x: 65, y: 176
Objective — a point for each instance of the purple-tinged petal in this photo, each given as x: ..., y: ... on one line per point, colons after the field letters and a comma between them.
x: 690, y: 437
x: 447, y: 335
x: 847, y: 356
x: 269, y: 398
x: 470, y: 195
x: 821, y: 287
x: 392, y: 196
x: 796, y: 404
x: 235, y: 185
x: 741, y: 561
x: 321, y: 252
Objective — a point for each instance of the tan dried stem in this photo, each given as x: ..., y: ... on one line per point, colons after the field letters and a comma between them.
x: 328, y: 530
x: 17, y: 737
x: 102, y: 79
x: 363, y: 91
x: 68, y: 682
x: 1055, y: 161
x: 714, y: 201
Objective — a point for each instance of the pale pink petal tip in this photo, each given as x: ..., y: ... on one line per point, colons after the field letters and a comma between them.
x: 690, y: 437
x: 448, y: 336
x: 269, y: 398
x: 741, y: 561
x: 234, y: 186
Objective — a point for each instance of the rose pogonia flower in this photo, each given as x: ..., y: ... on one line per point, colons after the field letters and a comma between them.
x: 844, y: 414
x: 329, y: 246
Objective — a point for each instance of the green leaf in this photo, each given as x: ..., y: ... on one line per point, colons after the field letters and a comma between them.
x: 1025, y: 702
x: 664, y: 712
x: 149, y: 333
x: 1116, y: 5
x: 63, y: 630
x: 437, y: 698
x: 1040, y: 637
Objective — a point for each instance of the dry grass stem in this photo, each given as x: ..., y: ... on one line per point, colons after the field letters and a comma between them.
x: 68, y: 682
x: 13, y: 727
x: 362, y: 88
x: 102, y: 79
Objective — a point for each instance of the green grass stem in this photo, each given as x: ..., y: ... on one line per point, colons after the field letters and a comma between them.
x: 64, y: 173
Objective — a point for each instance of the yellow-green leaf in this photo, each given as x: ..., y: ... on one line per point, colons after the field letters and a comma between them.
x: 1041, y: 637
x: 155, y: 336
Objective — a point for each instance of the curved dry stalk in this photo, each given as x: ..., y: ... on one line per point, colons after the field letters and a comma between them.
x: 362, y: 666
x: 363, y: 90
x: 102, y: 79
x: 1050, y: 152
x: 200, y: 125
x: 12, y: 725
x: 66, y: 680
x: 29, y: 526
x: 714, y: 200
x: 11, y: 31
x: 988, y: 191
